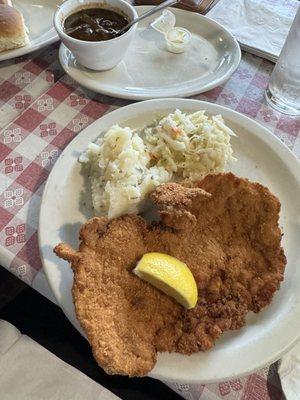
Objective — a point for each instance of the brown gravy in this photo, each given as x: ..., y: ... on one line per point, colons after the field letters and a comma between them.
x: 94, y: 24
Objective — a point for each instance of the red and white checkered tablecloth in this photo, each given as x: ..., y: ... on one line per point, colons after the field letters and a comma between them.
x: 41, y: 111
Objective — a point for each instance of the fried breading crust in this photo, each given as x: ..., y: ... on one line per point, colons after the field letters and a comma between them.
x: 226, y: 230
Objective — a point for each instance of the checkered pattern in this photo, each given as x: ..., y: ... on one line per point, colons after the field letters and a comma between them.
x: 24, y: 79
x: 42, y: 110
x: 263, y: 385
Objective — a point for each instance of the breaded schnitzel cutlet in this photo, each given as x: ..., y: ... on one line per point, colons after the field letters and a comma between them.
x: 226, y: 230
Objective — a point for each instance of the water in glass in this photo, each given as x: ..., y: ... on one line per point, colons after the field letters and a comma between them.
x: 283, y: 91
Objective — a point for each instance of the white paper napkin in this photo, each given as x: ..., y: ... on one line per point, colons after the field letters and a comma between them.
x: 289, y: 372
x: 260, y: 26
x: 30, y: 372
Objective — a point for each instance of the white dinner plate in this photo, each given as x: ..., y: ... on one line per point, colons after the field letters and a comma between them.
x: 150, y: 71
x: 38, y: 16
x: 261, y: 157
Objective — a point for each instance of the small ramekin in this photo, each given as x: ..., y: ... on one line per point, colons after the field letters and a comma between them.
x: 101, y: 55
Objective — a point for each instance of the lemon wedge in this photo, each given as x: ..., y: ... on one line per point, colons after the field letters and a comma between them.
x: 169, y: 275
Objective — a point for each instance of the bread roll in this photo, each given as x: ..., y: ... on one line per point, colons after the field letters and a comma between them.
x: 12, y: 27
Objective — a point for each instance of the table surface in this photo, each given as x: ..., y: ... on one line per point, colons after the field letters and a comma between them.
x: 42, y: 110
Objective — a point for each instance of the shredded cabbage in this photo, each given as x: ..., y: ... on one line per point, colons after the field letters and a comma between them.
x: 190, y: 146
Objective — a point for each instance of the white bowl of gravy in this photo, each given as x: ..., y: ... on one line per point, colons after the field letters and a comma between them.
x: 90, y: 30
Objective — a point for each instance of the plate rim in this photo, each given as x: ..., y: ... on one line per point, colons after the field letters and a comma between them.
x: 277, y: 146
x: 77, y: 75
x: 22, y: 51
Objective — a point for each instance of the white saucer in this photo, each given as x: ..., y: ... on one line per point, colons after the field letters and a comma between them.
x: 150, y: 71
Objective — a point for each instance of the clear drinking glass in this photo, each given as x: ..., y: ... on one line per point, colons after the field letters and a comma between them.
x: 283, y: 91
